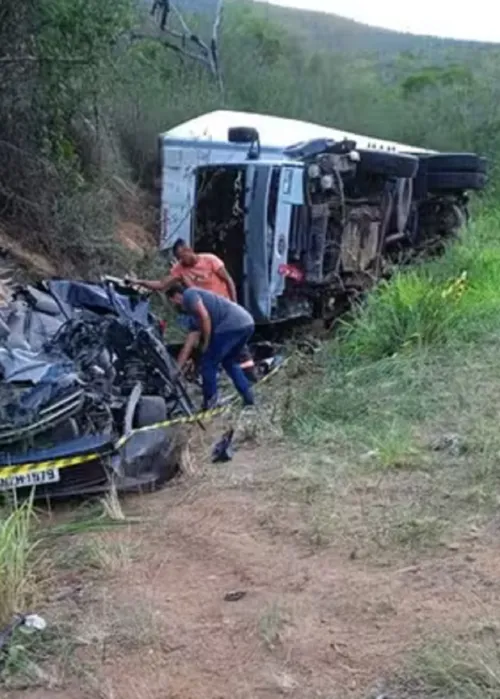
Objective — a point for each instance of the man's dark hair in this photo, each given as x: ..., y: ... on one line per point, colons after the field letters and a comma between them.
x: 179, y: 243
x: 175, y: 288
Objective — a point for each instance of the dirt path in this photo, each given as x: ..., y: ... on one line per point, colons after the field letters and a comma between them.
x: 300, y: 620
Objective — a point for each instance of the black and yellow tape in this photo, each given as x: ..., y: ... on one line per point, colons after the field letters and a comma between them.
x: 7, y: 471
x: 181, y: 420
x: 40, y: 466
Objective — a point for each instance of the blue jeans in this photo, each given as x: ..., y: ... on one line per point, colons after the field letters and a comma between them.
x: 225, y: 349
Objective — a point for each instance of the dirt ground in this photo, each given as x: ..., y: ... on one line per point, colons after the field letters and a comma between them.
x: 218, y: 594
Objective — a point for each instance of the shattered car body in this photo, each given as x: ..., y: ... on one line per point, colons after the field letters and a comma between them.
x: 86, y: 383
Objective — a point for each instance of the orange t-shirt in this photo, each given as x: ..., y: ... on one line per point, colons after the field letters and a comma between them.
x: 203, y: 274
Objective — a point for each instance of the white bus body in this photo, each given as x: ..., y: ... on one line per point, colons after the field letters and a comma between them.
x: 204, y: 141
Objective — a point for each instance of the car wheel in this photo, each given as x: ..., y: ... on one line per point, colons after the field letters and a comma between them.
x: 455, y: 162
x: 388, y: 164
x: 167, y: 463
x: 149, y: 411
x: 164, y: 463
x: 452, y: 181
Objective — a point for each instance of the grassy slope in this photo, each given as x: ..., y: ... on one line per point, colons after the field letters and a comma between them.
x: 413, y: 379
x: 406, y: 413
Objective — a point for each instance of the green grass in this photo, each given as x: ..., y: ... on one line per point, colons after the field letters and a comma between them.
x: 406, y: 406
x: 411, y: 311
x: 20, y: 565
x: 453, y: 299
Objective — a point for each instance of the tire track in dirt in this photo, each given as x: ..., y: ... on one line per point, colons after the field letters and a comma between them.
x: 312, y: 622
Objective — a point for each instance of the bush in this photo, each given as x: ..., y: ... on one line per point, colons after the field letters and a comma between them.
x: 83, y: 233
x: 409, y: 311
x: 454, y: 298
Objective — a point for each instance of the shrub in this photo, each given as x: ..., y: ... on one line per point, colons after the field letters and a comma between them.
x: 410, y: 310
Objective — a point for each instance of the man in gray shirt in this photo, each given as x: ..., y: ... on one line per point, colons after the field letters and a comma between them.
x: 225, y: 328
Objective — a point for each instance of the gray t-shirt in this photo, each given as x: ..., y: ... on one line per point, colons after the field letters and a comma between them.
x: 225, y: 315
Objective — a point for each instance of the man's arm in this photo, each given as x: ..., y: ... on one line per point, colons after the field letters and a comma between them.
x: 191, y: 341
x: 223, y: 274
x: 160, y: 284
x: 204, y: 321
x: 155, y: 285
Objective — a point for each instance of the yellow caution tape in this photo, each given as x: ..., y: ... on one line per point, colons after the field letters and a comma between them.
x: 40, y: 466
x: 182, y: 420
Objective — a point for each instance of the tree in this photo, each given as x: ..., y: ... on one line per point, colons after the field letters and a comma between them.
x: 177, y: 36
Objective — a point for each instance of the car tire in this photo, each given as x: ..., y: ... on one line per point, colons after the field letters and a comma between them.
x: 388, y: 164
x: 453, y: 181
x: 166, y: 463
x: 455, y: 162
x: 150, y: 410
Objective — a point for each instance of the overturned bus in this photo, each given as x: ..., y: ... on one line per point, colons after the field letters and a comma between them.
x: 305, y: 217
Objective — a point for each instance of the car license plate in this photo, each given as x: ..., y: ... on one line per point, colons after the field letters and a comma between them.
x: 27, y: 480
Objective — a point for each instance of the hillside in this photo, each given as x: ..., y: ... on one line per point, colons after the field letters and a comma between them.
x: 321, y: 31
x: 79, y: 116
x: 328, y: 32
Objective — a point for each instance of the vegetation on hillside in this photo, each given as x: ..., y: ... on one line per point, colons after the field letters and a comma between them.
x: 82, y: 102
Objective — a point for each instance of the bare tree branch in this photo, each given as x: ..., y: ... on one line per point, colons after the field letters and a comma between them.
x: 206, y: 54
x: 164, y: 7
x: 214, y: 44
x: 141, y: 36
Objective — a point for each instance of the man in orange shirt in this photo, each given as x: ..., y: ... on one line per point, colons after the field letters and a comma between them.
x: 205, y: 271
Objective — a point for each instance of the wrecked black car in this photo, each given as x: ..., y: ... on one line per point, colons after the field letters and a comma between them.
x: 86, y: 388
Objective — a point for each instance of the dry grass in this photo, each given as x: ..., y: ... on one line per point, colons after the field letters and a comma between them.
x: 22, y: 565
x: 467, y: 667
x: 99, y: 553
x: 111, y: 505
x: 75, y: 644
x: 271, y: 625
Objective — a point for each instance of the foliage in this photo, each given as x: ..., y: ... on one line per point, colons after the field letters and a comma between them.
x: 50, y: 127
x: 81, y: 102
x: 410, y: 311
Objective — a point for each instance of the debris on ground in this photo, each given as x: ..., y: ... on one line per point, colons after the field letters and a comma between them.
x: 451, y: 443
x: 223, y: 449
x: 234, y: 596
x: 28, y: 622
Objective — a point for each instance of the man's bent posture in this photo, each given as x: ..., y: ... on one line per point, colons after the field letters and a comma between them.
x: 225, y: 329
x: 205, y: 271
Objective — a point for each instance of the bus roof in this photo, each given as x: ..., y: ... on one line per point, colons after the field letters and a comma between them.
x: 274, y: 132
